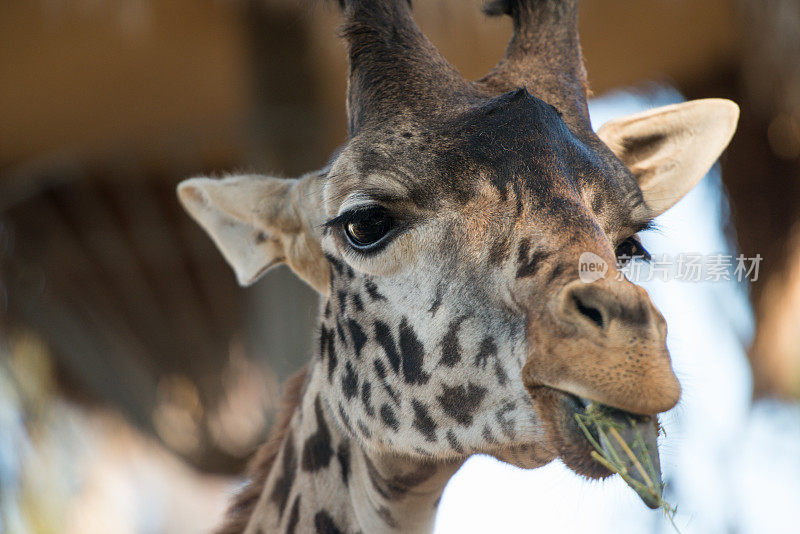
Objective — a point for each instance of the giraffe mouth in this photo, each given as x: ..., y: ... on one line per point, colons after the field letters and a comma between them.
x: 627, y: 444
x: 624, y: 443
x: 598, y: 441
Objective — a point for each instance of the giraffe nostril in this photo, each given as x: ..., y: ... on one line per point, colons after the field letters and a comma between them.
x: 589, y: 311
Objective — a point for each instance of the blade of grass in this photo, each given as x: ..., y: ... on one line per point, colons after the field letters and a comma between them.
x: 633, y: 458
x: 611, y: 461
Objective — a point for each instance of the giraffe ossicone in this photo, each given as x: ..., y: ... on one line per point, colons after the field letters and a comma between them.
x: 444, y: 240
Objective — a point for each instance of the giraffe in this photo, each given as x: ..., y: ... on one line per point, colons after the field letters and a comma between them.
x: 444, y: 239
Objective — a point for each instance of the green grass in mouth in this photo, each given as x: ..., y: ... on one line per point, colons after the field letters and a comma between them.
x: 630, y: 459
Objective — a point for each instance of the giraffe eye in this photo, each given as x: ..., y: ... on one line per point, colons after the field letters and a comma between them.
x: 629, y: 249
x: 367, y: 228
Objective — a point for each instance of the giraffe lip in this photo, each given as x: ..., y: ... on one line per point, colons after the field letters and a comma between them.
x: 559, y: 409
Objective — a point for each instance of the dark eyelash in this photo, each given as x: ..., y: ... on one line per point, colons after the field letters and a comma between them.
x: 355, y: 215
x: 649, y: 225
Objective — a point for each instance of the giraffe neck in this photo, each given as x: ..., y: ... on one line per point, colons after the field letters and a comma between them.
x: 324, y: 481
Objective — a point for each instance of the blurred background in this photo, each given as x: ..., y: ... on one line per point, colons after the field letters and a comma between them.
x: 136, y: 377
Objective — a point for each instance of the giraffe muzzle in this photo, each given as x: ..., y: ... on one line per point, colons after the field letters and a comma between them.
x: 606, y: 342
x: 600, y: 347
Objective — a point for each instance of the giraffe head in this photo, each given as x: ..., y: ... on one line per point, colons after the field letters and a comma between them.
x: 445, y: 239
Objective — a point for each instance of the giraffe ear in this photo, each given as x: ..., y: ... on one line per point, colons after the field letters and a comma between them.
x: 669, y: 149
x: 258, y: 222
